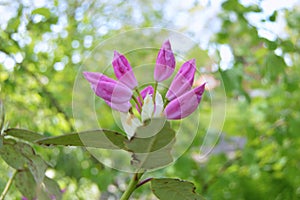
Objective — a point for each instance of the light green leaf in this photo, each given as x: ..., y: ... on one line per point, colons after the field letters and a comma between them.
x: 24, y: 134
x: 13, y: 25
x: 96, y: 138
x: 2, y: 116
x: 175, y: 189
x: 151, y: 146
x: 42, y: 11
x: 274, y: 66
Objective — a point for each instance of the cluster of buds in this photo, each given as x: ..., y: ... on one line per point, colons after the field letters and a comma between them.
x: 180, y: 101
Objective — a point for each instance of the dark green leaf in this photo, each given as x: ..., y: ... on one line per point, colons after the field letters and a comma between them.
x: 42, y: 11
x: 151, y: 137
x: 52, y: 188
x: 35, y: 163
x: 175, y: 189
x: 25, y: 183
x: 23, y: 134
x: 152, y: 160
x: 96, y: 138
x: 13, y: 25
x: 153, y: 151
x: 272, y: 18
x: 12, y: 157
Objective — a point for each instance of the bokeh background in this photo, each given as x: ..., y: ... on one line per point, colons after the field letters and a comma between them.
x: 250, y: 48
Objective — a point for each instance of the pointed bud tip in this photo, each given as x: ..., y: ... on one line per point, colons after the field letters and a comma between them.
x: 166, y: 45
x: 116, y: 53
x: 91, y: 76
x: 193, y: 61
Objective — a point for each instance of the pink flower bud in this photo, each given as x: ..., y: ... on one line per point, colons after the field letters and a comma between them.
x: 165, y: 62
x: 108, y: 89
x: 123, y: 70
x: 184, y: 105
x: 183, y: 80
x: 144, y: 92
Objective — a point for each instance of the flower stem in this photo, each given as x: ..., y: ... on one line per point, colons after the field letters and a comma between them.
x: 154, y: 95
x: 139, y: 94
x: 143, y: 182
x: 5, y: 191
x: 137, y: 102
x: 166, y: 102
x: 132, y: 186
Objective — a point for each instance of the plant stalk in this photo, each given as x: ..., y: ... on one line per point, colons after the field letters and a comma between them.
x: 132, y: 186
x: 155, y: 89
x: 6, y: 189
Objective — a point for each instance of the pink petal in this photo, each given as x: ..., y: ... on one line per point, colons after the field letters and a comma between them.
x: 107, y: 88
x: 165, y: 62
x: 123, y: 70
x: 184, y: 105
x: 183, y: 80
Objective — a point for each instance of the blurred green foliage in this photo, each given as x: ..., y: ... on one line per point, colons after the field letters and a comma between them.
x: 42, y: 49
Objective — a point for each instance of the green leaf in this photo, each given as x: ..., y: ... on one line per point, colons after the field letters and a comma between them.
x: 2, y: 117
x: 42, y: 11
x: 35, y: 163
x: 13, y: 25
x: 24, y: 134
x: 161, y: 136
x: 25, y: 183
x: 52, y: 188
x: 274, y: 66
x: 12, y: 157
x: 175, y: 189
x: 154, y: 151
x: 273, y: 17
x: 96, y: 138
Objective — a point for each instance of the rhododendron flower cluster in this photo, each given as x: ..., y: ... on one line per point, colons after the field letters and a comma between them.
x: 180, y: 101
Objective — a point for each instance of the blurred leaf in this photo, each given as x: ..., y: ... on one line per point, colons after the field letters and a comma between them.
x: 13, y: 25
x: 52, y: 188
x: 12, y: 157
x: 2, y: 117
x: 42, y: 11
x: 35, y: 163
x: 272, y: 18
x: 154, y: 151
x: 287, y: 46
x: 175, y: 189
x: 96, y: 138
x: 25, y: 183
x: 23, y: 134
x: 232, y: 79
x: 274, y: 66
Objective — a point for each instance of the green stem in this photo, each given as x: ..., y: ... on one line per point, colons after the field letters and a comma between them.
x: 154, y: 95
x: 139, y: 94
x: 5, y: 191
x: 143, y: 182
x: 132, y: 186
x: 137, y: 102
x: 166, y: 102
